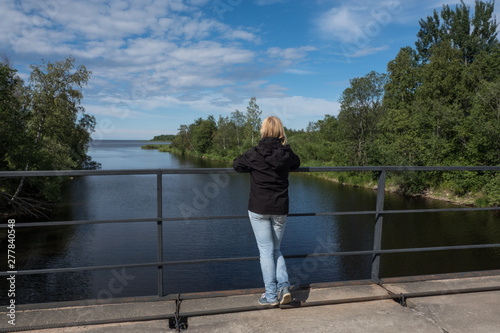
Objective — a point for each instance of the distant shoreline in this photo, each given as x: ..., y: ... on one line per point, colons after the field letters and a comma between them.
x: 429, y: 194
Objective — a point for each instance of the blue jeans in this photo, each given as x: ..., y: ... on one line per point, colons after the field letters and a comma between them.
x: 268, y: 231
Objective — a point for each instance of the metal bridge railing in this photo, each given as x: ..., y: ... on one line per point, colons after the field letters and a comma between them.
x: 378, y: 214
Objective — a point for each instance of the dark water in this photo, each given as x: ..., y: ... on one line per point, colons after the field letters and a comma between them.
x: 115, y: 197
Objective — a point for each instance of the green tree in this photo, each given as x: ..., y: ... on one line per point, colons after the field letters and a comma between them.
x: 399, y: 137
x: 440, y: 98
x: 360, y: 111
x: 57, y: 127
x: 442, y: 105
x: 225, y: 138
x: 181, y: 141
x: 327, y: 129
x: 12, y: 117
x: 469, y: 34
x: 164, y: 137
x: 484, y: 126
x: 202, y: 133
x: 403, y: 79
x: 253, y: 121
x: 238, y: 119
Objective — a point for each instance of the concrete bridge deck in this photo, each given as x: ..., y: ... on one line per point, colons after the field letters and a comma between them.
x: 452, y: 303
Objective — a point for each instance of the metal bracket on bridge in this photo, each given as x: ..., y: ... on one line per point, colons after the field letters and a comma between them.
x: 179, y: 323
x: 402, y: 300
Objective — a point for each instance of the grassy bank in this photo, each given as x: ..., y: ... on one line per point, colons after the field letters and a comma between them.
x: 356, y: 179
x: 165, y: 148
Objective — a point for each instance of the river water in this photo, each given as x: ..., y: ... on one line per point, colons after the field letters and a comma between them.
x: 116, y: 197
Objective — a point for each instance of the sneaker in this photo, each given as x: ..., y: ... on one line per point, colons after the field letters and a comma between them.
x: 264, y: 301
x: 284, y: 296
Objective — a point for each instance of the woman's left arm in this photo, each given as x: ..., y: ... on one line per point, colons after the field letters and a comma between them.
x: 240, y: 164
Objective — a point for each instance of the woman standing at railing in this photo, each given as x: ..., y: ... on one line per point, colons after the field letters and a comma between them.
x: 269, y: 164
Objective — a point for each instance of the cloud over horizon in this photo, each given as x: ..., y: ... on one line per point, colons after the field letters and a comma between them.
x: 182, y: 59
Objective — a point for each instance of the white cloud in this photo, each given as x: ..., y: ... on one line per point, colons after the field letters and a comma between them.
x: 241, y: 35
x: 358, y: 20
x: 119, y: 110
x: 285, y: 58
x: 154, y: 56
x: 268, y: 2
x: 340, y: 24
x: 113, y: 132
x: 290, y: 53
x: 159, y: 47
x: 451, y: 3
x: 288, y: 108
x: 299, y: 71
x: 367, y: 51
x: 358, y: 25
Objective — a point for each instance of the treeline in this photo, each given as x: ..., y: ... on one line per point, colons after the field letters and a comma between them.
x: 42, y: 127
x: 223, y: 138
x: 438, y: 104
x: 164, y: 137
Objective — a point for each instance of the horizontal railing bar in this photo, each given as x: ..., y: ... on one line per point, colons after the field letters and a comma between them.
x: 220, y: 260
x: 395, y: 211
x: 437, y: 210
x: 120, y: 172
x: 76, y: 269
x: 398, y: 168
x: 234, y: 217
x: 61, y: 223
x: 68, y: 173
x: 392, y: 251
x: 142, y: 265
x: 152, y: 219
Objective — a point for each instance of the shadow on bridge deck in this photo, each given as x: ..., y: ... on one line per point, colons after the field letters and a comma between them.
x: 462, y: 302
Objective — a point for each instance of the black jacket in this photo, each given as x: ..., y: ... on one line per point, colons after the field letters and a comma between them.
x: 268, y: 163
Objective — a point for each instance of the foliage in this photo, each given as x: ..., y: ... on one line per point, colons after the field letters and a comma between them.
x: 12, y: 115
x: 44, y: 127
x: 226, y: 138
x: 253, y: 121
x: 471, y: 34
x: 360, y: 111
x: 202, y: 134
x: 492, y: 188
x: 164, y: 137
x: 159, y: 147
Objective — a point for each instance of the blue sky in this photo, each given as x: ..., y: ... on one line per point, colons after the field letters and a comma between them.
x: 159, y: 64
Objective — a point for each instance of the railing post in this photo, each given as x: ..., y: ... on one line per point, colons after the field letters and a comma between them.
x: 159, y: 208
x: 377, y: 240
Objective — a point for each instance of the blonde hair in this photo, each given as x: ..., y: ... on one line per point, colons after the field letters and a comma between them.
x: 272, y: 127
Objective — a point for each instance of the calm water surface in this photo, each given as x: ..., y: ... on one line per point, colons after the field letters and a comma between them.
x: 116, y: 197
